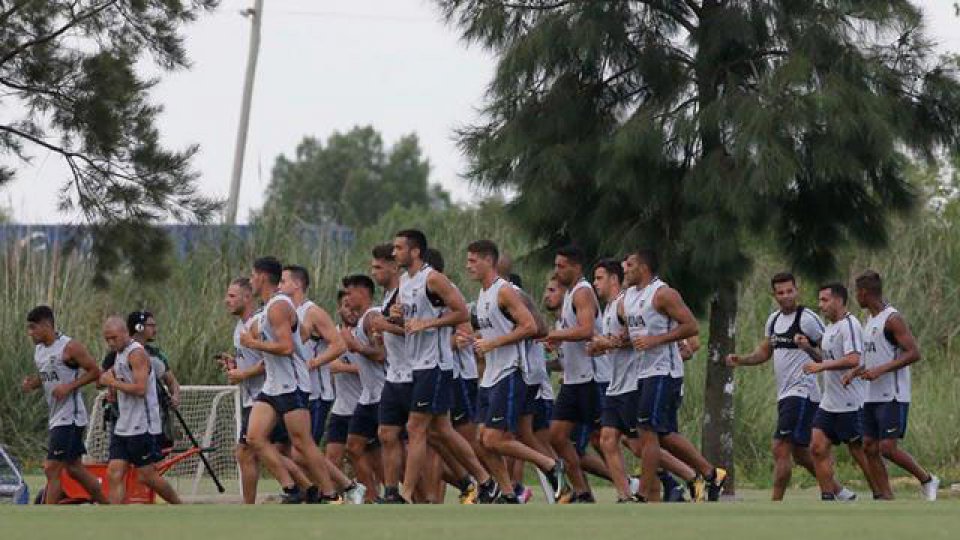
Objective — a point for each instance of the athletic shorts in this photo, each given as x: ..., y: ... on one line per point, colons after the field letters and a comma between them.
x: 277, y: 436
x: 620, y: 413
x: 795, y: 419
x: 601, y: 398
x: 395, y: 403
x: 65, y: 443
x: 338, y: 426
x: 319, y: 410
x: 499, y: 406
x: 659, y: 406
x: 432, y: 391
x: 284, y: 403
x: 577, y: 403
x: 530, y: 400
x: 365, y: 421
x: 464, y: 401
x: 840, y: 427
x: 886, y: 420
x: 138, y: 450
x: 542, y: 413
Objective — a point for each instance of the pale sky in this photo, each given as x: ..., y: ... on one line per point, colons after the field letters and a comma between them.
x: 324, y: 65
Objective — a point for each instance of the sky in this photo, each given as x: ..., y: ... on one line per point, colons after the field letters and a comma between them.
x: 324, y: 66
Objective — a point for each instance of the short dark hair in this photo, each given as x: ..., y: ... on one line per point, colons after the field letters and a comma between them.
x: 359, y: 280
x: 572, y: 253
x: 137, y: 318
x: 40, y: 314
x: 515, y: 279
x: 299, y: 273
x: 870, y: 281
x: 243, y: 283
x: 434, y: 258
x: 269, y: 266
x: 415, y: 239
x: 485, y: 248
x: 836, y: 289
x: 612, y: 266
x: 649, y: 258
x: 340, y: 294
x: 782, y: 277
x: 383, y: 252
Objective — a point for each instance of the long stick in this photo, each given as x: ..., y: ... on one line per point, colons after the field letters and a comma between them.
x: 193, y: 440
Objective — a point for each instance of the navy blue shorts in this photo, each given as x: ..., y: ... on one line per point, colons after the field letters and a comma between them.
x: 577, y: 403
x: 886, y: 420
x: 319, y: 410
x: 530, y: 400
x: 277, y: 436
x: 432, y: 391
x: 338, y: 426
x: 284, y: 403
x: 365, y: 421
x: 842, y: 427
x: 137, y: 450
x: 395, y: 403
x: 542, y: 413
x: 499, y: 406
x: 66, y: 444
x: 464, y: 401
x: 795, y: 419
x: 659, y: 407
x: 620, y: 413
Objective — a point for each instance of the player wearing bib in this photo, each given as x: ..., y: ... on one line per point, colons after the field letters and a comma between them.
x: 889, y: 351
x: 421, y: 291
x: 64, y: 366
x: 839, y: 419
x: 798, y: 395
x: 133, y: 440
x: 142, y: 326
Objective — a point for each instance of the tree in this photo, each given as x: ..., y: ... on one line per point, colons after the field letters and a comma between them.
x: 68, y: 69
x: 698, y: 126
x: 353, y: 179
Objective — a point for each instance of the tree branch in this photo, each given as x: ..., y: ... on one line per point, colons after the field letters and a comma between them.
x: 59, y: 32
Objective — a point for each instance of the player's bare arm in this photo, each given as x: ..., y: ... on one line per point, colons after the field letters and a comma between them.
x: 903, y: 337
x: 760, y: 355
x: 320, y: 321
x: 586, y: 308
x: 455, y: 313
x: 509, y: 299
x: 669, y: 302
x: 282, y: 318
x: 78, y: 354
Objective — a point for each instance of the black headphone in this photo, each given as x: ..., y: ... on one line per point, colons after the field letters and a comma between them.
x: 136, y: 321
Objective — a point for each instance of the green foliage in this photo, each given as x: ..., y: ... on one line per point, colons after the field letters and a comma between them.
x: 352, y: 180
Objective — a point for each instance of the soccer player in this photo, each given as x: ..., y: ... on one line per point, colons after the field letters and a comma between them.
x: 798, y: 395
x: 133, y: 441
x: 423, y: 293
x: 142, y: 326
x: 658, y: 320
x: 504, y: 322
x: 839, y: 419
x: 346, y: 382
x: 64, y: 366
x: 889, y: 350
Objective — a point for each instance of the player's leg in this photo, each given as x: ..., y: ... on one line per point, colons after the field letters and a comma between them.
x: 116, y: 473
x: 894, y: 428
x: 417, y: 427
x: 249, y: 472
x: 53, y: 491
x: 613, y: 456
x: 782, y: 467
x: 144, y: 454
x: 85, y: 478
x: 152, y: 479
x: 821, y: 451
x: 297, y: 422
x: 362, y: 431
x: 263, y: 419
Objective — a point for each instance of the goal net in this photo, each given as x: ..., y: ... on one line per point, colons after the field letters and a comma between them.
x: 212, y: 413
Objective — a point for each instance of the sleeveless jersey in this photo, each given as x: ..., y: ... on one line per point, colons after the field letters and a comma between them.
x: 422, y: 348
x: 840, y: 339
x: 285, y: 374
x: 398, y: 367
x: 54, y: 371
x: 880, y: 348
x: 372, y: 374
x: 624, y: 363
x: 643, y: 319
x: 348, y: 388
x: 578, y: 366
x: 321, y: 385
x: 246, y: 359
x: 137, y: 415
x: 788, y: 358
x: 493, y: 323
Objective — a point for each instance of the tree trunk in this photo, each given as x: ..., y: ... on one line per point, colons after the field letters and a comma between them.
x: 717, y: 441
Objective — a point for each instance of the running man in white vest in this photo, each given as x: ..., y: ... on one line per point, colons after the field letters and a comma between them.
x: 346, y: 381
x: 889, y: 350
x: 424, y: 295
x: 504, y: 323
x: 64, y: 366
x: 133, y: 441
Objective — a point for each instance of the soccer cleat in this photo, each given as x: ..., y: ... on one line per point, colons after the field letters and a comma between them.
x: 583, y: 498
x: 566, y: 496
x: 526, y: 495
x: 697, y: 488
x: 394, y: 498
x: 507, y: 498
x: 556, y: 477
x: 846, y: 495
x: 291, y: 496
x: 928, y: 489
x: 489, y: 492
x: 312, y: 495
x: 635, y: 498
x: 355, y: 493
x: 715, y: 487
x: 676, y: 494
x: 469, y: 495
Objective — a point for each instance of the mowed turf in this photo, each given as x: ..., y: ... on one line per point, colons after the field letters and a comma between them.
x: 798, y: 518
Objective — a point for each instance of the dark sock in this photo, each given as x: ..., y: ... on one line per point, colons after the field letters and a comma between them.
x: 464, y: 484
x: 292, y: 490
x: 391, y: 490
x: 828, y: 497
x: 312, y: 493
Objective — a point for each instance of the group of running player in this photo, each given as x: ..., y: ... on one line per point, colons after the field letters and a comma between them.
x: 423, y: 390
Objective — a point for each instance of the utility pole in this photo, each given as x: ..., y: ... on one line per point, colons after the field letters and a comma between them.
x: 256, y: 12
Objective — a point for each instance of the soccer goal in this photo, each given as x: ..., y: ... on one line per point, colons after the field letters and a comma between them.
x: 212, y: 413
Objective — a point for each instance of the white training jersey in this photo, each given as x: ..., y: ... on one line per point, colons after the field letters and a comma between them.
x: 535, y: 363
x: 399, y: 369
x: 643, y: 319
x: 136, y: 415
x: 788, y: 357
x: 493, y: 323
x: 246, y: 359
x: 372, y: 373
x: 422, y: 348
x: 625, y: 363
x: 285, y: 374
x: 54, y: 371
x: 578, y: 366
x: 879, y: 348
x: 546, y: 390
x: 348, y: 388
x: 321, y: 383
x: 840, y: 339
